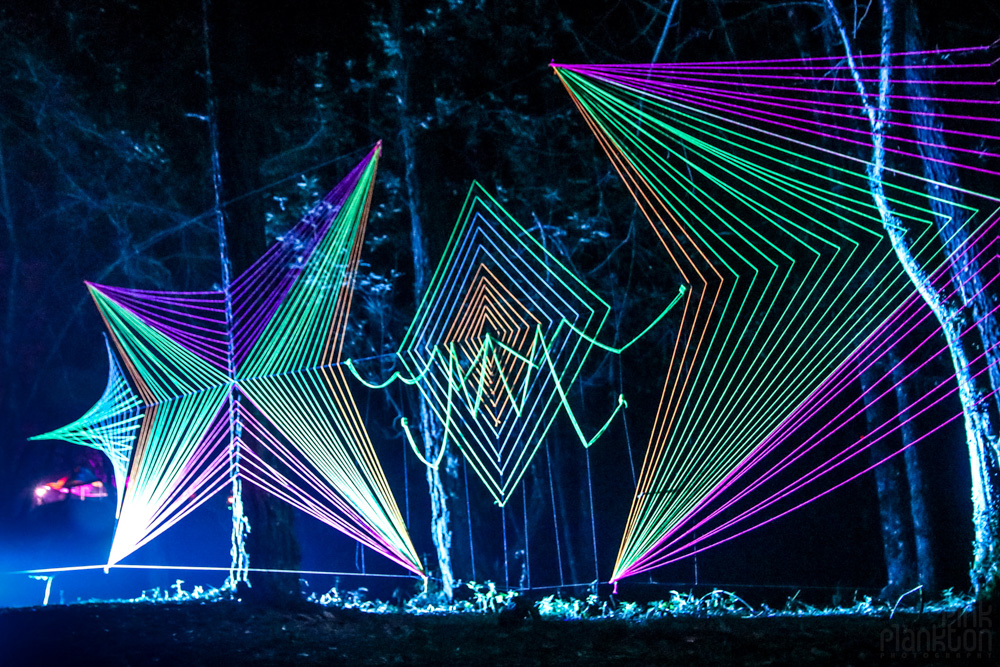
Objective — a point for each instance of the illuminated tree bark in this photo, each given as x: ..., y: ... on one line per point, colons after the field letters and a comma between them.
x: 270, y: 542
x: 430, y: 431
x: 893, y: 500
x: 938, y: 167
x: 923, y: 533
x: 954, y: 316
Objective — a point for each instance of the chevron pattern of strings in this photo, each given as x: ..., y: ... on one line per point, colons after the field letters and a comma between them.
x: 265, y: 384
x: 498, y: 339
x: 754, y: 177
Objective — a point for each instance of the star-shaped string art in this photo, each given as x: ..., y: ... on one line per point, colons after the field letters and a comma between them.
x: 498, y: 339
x: 250, y: 385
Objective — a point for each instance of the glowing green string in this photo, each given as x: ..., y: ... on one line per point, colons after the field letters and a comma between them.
x: 292, y: 386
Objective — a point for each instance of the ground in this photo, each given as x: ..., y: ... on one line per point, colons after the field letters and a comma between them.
x: 230, y: 633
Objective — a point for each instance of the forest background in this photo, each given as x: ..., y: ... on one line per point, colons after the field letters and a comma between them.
x: 105, y: 175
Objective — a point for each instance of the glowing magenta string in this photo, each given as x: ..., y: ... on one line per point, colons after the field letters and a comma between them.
x: 825, y: 467
x: 965, y: 49
x: 830, y: 490
x: 769, y: 444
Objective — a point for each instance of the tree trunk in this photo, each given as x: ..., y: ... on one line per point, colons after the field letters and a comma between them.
x: 981, y: 430
x: 923, y: 535
x: 946, y: 202
x: 271, y: 542
x: 965, y: 275
x: 562, y: 475
x: 430, y: 431
x: 10, y: 313
x: 9, y: 391
x: 893, y: 501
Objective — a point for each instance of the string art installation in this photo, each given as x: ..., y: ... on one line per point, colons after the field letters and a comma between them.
x: 498, y: 340
x: 757, y: 177
x: 110, y: 426
x: 247, y: 384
